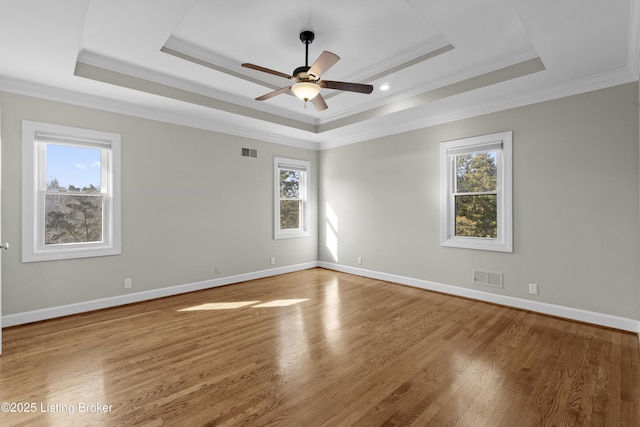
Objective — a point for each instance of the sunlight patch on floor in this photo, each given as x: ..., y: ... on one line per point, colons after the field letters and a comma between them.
x: 240, y: 304
x: 219, y: 306
x: 281, y: 303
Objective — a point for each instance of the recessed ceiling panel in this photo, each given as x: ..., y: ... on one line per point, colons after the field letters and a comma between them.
x: 180, y: 60
x: 369, y: 37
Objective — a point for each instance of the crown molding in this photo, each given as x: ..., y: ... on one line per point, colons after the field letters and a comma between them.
x: 147, y: 76
x: 401, y: 60
x: 195, y: 54
x: 323, y: 142
x: 449, y: 80
x: 533, y: 96
x: 35, y: 90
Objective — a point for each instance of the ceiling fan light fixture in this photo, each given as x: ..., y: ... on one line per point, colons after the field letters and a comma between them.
x: 305, y: 90
x: 307, y: 78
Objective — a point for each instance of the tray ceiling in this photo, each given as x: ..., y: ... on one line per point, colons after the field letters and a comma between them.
x: 179, y: 61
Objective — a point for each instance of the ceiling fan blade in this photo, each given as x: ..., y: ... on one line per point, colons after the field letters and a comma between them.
x: 272, y: 94
x: 319, y: 103
x: 266, y: 70
x: 350, y: 87
x: 325, y: 61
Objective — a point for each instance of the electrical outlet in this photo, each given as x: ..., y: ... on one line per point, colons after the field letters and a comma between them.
x: 359, y: 260
x: 128, y: 283
x: 216, y: 269
x: 273, y: 260
x: 533, y: 289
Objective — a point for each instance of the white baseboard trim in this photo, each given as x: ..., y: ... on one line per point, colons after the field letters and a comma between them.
x: 66, y: 310
x: 596, y: 318
x: 586, y: 316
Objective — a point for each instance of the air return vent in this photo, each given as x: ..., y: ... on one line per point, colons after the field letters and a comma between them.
x: 249, y: 152
x: 487, y: 278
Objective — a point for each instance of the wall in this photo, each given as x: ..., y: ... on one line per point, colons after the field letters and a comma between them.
x: 189, y: 202
x: 576, y: 204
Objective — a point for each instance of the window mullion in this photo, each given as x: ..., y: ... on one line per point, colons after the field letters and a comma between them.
x: 477, y: 193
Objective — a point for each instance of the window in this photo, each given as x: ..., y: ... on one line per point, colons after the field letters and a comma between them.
x: 291, y: 189
x: 476, y: 210
x: 71, y: 192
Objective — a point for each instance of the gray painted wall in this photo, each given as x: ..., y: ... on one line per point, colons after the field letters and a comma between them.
x: 576, y: 203
x: 189, y: 202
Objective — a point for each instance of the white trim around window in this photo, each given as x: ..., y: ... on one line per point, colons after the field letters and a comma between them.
x: 36, y: 138
x: 295, y: 222
x: 500, y: 145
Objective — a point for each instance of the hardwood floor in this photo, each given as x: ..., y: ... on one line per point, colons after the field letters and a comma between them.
x: 318, y: 347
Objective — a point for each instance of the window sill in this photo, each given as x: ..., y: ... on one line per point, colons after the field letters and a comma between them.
x: 71, y: 253
x: 290, y: 234
x: 477, y: 243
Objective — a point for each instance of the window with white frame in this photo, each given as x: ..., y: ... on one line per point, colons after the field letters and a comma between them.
x: 71, y: 192
x: 476, y: 192
x: 291, y: 179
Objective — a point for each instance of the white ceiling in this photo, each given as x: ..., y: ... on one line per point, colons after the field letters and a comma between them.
x: 179, y: 60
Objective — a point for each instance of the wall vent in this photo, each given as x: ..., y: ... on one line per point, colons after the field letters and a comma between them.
x: 250, y: 152
x: 487, y: 278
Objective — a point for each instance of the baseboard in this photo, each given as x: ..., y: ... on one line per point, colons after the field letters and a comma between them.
x: 66, y: 310
x: 596, y: 318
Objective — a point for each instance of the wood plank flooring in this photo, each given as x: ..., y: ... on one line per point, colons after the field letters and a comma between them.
x: 318, y: 348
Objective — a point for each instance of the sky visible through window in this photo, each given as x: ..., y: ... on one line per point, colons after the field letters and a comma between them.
x: 75, y: 166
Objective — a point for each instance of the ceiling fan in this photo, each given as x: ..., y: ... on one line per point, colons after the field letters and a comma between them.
x: 307, y: 79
